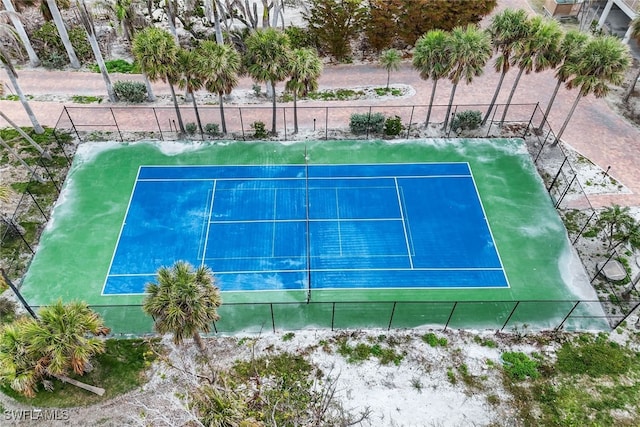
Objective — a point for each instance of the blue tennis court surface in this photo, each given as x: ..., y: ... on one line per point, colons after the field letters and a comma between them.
x: 281, y: 227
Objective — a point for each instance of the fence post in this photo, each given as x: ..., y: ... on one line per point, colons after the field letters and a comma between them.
x: 273, y: 320
x: 557, y: 175
x: 584, y: 227
x: 73, y: 125
x: 510, y: 315
x: 455, y: 304
x: 241, y: 123
x: 393, y: 310
x: 566, y: 190
x: 368, y: 122
x: 333, y: 314
x: 524, y: 135
x: 626, y: 316
x: 413, y: 107
x: 284, y: 115
x: 158, y: 122
x: 17, y: 293
x: 116, y: 122
x: 557, y: 328
x: 37, y: 205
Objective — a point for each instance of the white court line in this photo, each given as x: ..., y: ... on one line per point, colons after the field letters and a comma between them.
x: 124, y: 221
x: 205, y: 226
x: 413, y: 247
x: 273, y: 236
x: 206, y: 238
x: 257, y: 221
x: 404, y: 226
x: 323, y: 178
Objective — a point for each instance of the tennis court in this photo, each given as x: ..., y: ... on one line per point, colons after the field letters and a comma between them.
x: 315, y: 234
x: 289, y: 226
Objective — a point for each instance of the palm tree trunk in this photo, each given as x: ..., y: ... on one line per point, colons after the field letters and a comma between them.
x: 150, y: 96
x: 37, y: 146
x: 62, y: 32
x: 295, y: 111
x: 17, y: 24
x: 566, y: 121
x: 388, y: 78
x: 198, y: 339
x: 273, y: 116
x: 195, y: 108
x: 446, y: 117
x: 222, y: 119
x: 93, y: 389
x: 23, y: 99
x: 433, y: 95
x: 171, y: 20
x: 177, y: 107
x: 93, y: 41
x: 513, y: 91
x: 545, y: 117
x: 495, y: 97
x: 632, y: 86
x: 216, y: 23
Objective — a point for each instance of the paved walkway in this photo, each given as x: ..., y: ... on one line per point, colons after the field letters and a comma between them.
x: 596, y: 131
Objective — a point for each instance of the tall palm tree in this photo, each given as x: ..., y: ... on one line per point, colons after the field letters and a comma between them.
x: 157, y: 53
x: 268, y: 59
x: 306, y: 68
x: 569, y: 51
x: 183, y: 302
x: 191, y: 79
x: 432, y: 59
x: 219, y: 65
x: 24, y: 37
x: 13, y: 78
x: 390, y: 60
x: 65, y: 337
x: 603, y: 61
x: 62, y: 32
x: 635, y: 33
x: 470, y: 51
x: 87, y: 22
x: 538, y: 52
x: 507, y: 29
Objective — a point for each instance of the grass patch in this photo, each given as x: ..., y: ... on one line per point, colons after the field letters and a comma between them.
x: 335, y: 95
x: 120, y: 369
x: 595, y: 357
x: 361, y: 352
x: 118, y: 66
x: 86, y: 99
x: 433, y: 340
x: 519, y: 366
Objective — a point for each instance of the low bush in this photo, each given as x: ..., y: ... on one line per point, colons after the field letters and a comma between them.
x: 118, y: 66
x: 466, y: 120
x: 393, y: 126
x: 519, y: 366
x: 129, y: 91
x: 259, y: 130
x: 191, y: 128
x: 212, y: 129
x: 363, y: 123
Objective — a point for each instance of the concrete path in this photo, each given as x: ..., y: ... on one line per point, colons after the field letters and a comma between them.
x: 596, y: 131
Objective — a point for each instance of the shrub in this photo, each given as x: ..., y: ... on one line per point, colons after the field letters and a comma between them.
x: 190, y: 128
x: 393, y: 126
x: 519, y: 366
x: 259, y: 130
x: 118, y: 66
x: 53, y: 60
x: 363, y: 123
x: 212, y: 129
x: 129, y: 91
x: 299, y: 37
x: 51, y: 50
x: 466, y: 120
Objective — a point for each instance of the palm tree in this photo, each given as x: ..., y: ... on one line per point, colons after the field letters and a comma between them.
x: 157, y: 53
x: 183, y: 302
x: 62, y: 32
x: 65, y: 337
x: 13, y: 78
x: 191, y: 78
x: 306, y: 67
x: 87, y: 22
x: 507, y: 29
x: 219, y: 65
x: 24, y: 38
x: 538, y: 52
x: 635, y: 33
x: 268, y: 59
x: 470, y: 51
x: 432, y: 58
x: 16, y: 364
x: 569, y: 51
x: 390, y: 61
x: 615, y: 221
x: 603, y: 61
